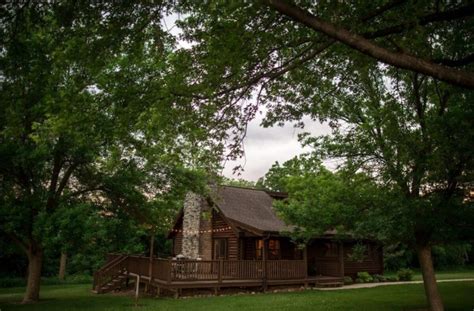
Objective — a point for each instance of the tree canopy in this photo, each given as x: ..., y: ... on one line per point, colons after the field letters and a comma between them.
x: 377, y: 81
x: 88, y: 115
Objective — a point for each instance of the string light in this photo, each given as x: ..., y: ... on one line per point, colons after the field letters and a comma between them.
x: 201, y: 231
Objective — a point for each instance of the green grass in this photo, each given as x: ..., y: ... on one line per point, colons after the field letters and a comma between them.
x: 70, y: 279
x: 456, y: 295
x: 448, y: 274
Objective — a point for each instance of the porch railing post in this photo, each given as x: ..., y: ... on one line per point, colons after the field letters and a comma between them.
x: 264, y: 257
x: 170, y: 271
x: 341, y: 259
x: 305, y: 263
x: 305, y: 258
x: 221, y: 267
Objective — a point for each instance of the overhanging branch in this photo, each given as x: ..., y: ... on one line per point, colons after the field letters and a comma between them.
x: 451, y: 75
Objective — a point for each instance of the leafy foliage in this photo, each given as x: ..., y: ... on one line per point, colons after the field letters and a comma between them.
x: 405, y: 274
x: 239, y: 183
x: 91, y: 127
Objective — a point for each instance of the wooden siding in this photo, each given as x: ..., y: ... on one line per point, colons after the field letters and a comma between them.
x: 249, y: 248
x: 218, y: 222
x: 372, y: 262
x: 288, y: 250
x: 177, y: 237
x: 323, y: 258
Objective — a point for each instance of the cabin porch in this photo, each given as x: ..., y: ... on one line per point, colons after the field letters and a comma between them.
x: 175, y: 275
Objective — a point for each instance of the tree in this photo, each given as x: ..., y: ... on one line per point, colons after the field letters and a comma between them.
x: 277, y: 176
x: 401, y: 55
x: 239, y: 183
x: 240, y: 51
x: 411, y: 139
x: 87, y: 114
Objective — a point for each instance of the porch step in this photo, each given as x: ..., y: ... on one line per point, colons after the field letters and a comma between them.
x: 329, y: 284
x: 114, y: 284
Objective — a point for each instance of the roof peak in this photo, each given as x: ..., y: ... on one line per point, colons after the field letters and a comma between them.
x: 273, y: 194
x: 241, y: 187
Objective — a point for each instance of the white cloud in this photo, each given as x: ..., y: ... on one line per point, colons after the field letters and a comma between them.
x: 264, y: 146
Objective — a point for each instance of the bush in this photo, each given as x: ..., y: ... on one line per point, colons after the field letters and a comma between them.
x: 12, y: 282
x: 359, y: 280
x: 348, y: 280
x: 405, y: 274
x: 379, y: 278
x: 392, y: 278
x: 365, y: 277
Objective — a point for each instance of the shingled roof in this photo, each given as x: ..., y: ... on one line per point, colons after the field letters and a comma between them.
x: 249, y: 207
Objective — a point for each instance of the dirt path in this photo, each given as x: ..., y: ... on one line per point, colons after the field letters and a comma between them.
x: 369, y: 285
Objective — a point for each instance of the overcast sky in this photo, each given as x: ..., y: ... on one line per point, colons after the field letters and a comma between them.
x: 264, y: 146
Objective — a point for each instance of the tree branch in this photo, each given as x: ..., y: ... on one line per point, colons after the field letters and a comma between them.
x: 453, y: 76
x: 458, y: 13
x: 65, y: 178
x: 17, y: 240
x: 456, y: 62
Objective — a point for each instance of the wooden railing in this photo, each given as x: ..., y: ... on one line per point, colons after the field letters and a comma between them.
x: 328, y: 267
x: 242, y: 269
x: 209, y: 270
x: 109, y: 271
x: 169, y: 271
x: 285, y: 269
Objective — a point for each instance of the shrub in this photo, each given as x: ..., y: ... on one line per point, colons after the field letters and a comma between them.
x: 405, y: 274
x: 348, y: 280
x: 392, y: 278
x: 365, y: 277
x: 359, y: 280
x: 12, y: 282
x: 379, y: 278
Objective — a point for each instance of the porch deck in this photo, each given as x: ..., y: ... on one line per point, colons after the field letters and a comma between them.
x: 217, y: 274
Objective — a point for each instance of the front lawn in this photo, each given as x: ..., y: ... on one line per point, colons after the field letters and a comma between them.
x: 448, y: 274
x: 457, y: 296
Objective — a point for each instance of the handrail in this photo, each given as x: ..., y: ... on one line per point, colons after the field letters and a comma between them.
x: 101, y: 274
x: 110, y: 263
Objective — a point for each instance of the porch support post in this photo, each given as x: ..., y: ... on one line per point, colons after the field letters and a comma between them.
x: 219, y: 276
x: 150, y: 267
x: 341, y: 258
x: 170, y: 271
x: 264, y: 258
x: 305, y: 259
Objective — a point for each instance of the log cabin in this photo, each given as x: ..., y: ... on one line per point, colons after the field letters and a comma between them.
x: 240, y: 224
x: 234, y: 238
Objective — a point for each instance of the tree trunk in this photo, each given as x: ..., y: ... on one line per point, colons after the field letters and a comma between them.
x: 62, y: 266
x: 35, y: 261
x: 429, y: 278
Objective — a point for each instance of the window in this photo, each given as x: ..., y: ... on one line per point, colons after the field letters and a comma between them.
x: 220, y: 248
x: 273, y: 249
x: 330, y: 250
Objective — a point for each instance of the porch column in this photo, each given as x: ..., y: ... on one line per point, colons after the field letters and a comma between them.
x: 264, y: 258
x: 341, y: 258
x: 305, y: 258
x: 150, y: 266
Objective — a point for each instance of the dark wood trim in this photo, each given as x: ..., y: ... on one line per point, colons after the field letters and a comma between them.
x: 341, y: 258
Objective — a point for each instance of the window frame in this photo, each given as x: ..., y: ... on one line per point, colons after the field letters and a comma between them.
x: 216, y: 248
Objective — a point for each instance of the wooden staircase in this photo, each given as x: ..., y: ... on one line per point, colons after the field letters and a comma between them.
x: 112, y: 276
x: 328, y: 282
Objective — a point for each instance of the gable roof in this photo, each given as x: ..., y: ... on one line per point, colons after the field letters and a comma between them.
x: 249, y: 207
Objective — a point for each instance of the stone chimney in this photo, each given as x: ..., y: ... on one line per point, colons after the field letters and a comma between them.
x: 197, y: 240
